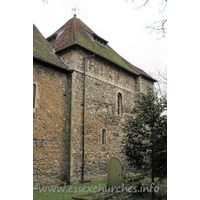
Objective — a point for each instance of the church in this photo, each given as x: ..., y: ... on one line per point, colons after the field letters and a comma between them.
x: 83, y: 95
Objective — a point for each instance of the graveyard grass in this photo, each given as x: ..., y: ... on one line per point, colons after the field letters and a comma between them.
x: 37, y: 195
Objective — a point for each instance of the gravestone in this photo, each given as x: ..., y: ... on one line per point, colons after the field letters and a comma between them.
x: 114, y: 170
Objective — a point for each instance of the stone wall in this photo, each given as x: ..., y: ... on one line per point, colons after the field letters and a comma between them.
x: 50, y: 126
x: 103, y: 83
x: 58, y: 118
x: 145, y: 83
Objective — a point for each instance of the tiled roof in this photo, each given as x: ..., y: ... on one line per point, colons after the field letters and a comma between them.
x: 43, y: 51
x: 76, y: 32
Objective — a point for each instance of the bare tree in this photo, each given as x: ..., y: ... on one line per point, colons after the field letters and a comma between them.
x: 161, y: 77
x: 160, y: 26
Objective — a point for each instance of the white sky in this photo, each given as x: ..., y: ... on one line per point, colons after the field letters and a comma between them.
x: 114, y: 20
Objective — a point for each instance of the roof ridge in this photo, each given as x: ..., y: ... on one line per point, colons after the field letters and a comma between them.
x: 74, y: 26
x: 83, y: 25
x: 88, y: 30
x: 60, y: 29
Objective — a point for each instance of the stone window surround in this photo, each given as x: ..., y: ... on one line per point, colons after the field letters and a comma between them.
x: 105, y: 137
x: 34, y: 90
x: 118, y: 91
x: 36, y: 95
x: 119, y: 104
x: 122, y: 104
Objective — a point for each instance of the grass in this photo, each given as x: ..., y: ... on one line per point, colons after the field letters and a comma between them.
x: 146, y: 181
x: 68, y: 191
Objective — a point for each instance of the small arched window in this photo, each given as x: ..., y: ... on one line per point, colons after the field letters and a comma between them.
x: 34, y: 95
x: 119, y: 104
x: 103, y: 136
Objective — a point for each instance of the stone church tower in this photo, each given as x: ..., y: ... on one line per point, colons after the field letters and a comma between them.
x: 83, y: 95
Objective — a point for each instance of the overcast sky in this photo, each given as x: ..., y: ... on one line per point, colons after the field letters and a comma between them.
x: 114, y: 20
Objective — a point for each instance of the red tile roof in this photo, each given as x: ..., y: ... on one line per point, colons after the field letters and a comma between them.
x: 75, y: 32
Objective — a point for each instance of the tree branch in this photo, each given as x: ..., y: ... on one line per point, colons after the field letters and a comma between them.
x: 159, y: 26
x: 144, y: 4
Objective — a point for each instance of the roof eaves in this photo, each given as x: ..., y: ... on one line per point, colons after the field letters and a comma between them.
x: 69, y: 71
x: 59, y: 51
x: 150, y: 78
x: 141, y: 72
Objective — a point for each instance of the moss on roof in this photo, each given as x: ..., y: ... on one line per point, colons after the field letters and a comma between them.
x: 43, y: 50
x: 76, y: 32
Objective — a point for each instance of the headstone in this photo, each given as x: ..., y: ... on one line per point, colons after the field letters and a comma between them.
x: 114, y: 170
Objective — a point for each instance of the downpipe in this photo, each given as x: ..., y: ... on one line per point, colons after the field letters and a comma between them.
x: 83, y: 135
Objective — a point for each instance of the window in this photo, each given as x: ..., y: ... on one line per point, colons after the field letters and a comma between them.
x: 103, y: 136
x: 34, y: 90
x: 97, y: 39
x: 119, y: 104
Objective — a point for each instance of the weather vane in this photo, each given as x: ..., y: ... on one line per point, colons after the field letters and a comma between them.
x: 75, y: 10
